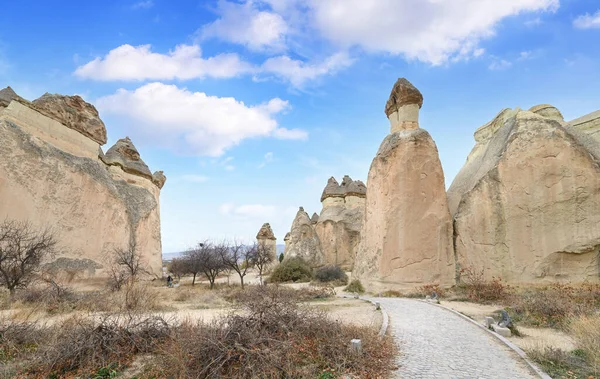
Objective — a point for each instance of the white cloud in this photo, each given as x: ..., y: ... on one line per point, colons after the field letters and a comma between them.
x: 246, y: 24
x: 143, y: 5
x: 229, y: 168
x: 499, y: 65
x: 267, y: 159
x: 128, y: 62
x: 433, y: 31
x: 259, y: 211
x: 193, y: 122
x: 533, y: 23
x: 194, y: 178
x: 298, y: 72
x: 588, y: 21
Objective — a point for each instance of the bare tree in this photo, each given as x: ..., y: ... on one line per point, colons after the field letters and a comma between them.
x: 263, y: 258
x: 193, y: 259
x: 126, y: 265
x: 22, y: 250
x: 210, y: 261
x: 179, y: 267
x: 239, y: 258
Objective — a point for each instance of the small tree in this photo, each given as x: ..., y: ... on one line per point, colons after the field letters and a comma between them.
x: 262, y: 258
x: 126, y: 265
x: 193, y: 259
x: 211, y: 262
x: 280, y: 257
x: 22, y: 250
x: 239, y: 258
x: 179, y: 267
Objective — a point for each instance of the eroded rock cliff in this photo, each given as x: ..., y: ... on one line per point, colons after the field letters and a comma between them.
x: 51, y: 174
x: 526, y: 205
x: 302, y: 241
x: 406, y: 239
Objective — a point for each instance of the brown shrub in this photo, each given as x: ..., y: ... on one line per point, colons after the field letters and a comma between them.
x: 480, y: 290
x: 272, y: 337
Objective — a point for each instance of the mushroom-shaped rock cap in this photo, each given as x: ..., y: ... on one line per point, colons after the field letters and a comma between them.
x: 265, y: 233
x: 403, y: 93
x: 332, y: 189
x: 7, y: 95
x: 315, y: 218
x: 74, y: 113
x: 159, y: 179
x: 356, y: 188
x: 124, y: 154
x: 548, y: 111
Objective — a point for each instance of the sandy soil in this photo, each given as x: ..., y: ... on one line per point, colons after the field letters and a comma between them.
x: 533, y: 338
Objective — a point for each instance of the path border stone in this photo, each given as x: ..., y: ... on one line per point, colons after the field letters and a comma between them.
x: 511, y: 345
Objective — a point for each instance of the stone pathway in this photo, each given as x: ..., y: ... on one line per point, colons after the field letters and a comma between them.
x: 436, y: 343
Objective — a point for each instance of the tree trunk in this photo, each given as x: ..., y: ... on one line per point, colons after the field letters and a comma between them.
x: 194, y: 280
x: 242, y: 280
x: 212, y: 283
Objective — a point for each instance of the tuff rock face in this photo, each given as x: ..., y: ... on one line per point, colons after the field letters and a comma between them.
x: 406, y: 239
x: 52, y: 175
x: 266, y: 239
x: 340, y: 222
x: 526, y: 203
x: 303, y: 241
x: 7, y: 95
x: 158, y: 178
x: 74, y: 113
x: 265, y: 232
x: 588, y: 124
x: 125, y: 155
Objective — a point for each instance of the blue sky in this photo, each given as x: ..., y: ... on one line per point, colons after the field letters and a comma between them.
x: 249, y: 106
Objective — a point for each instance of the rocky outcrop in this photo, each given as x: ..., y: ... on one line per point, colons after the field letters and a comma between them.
x: 266, y: 240
x: 7, y: 95
x: 158, y: 178
x: 125, y: 155
x: 406, y: 239
x: 339, y: 225
x: 526, y: 203
x: 74, y: 113
x: 303, y: 241
x: 51, y: 175
x: 588, y: 124
x: 314, y: 219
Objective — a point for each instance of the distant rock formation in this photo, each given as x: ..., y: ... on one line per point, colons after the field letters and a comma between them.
x: 406, y: 239
x: 266, y: 240
x: 302, y: 241
x: 52, y: 172
x: 526, y: 204
x: 340, y: 222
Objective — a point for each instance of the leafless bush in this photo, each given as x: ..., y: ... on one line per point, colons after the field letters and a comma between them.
x: 479, y: 289
x: 273, y: 337
x: 82, y: 345
x: 22, y: 250
x: 263, y: 258
x: 238, y: 257
x: 125, y: 265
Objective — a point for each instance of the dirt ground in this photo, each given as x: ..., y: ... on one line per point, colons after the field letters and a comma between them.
x: 533, y: 338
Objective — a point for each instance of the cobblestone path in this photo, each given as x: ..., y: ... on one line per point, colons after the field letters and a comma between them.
x: 436, y: 343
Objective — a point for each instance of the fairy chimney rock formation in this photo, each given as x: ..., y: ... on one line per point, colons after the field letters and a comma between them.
x: 340, y: 221
x: 53, y: 173
x: 314, y: 219
x: 526, y: 203
x: 266, y: 239
x: 303, y: 242
x: 406, y: 239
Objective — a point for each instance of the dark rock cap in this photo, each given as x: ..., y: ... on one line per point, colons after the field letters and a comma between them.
x: 159, y: 179
x: 315, y: 218
x: 356, y: 188
x: 7, y: 95
x: 265, y: 233
x: 332, y: 189
x: 125, y: 155
x: 403, y: 93
x: 74, y: 113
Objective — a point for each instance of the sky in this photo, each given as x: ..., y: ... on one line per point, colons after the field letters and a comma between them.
x: 249, y: 106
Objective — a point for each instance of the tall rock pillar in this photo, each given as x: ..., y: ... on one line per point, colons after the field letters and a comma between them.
x: 406, y: 238
x: 266, y: 240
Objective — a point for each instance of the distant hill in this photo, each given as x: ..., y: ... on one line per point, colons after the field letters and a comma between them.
x: 169, y: 256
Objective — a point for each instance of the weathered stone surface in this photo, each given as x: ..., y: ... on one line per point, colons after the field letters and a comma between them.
x: 589, y: 124
x: 158, y: 178
x: 332, y: 189
x: 314, y: 219
x: 7, y: 95
x: 526, y: 203
x: 74, y: 113
x: 340, y: 222
x: 303, y: 241
x: 125, y: 155
x: 548, y: 111
x: 406, y: 239
x: 51, y: 175
x: 265, y: 232
x: 403, y: 93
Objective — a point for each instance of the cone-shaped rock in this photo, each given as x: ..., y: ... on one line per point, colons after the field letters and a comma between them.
x: 125, y: 155
x: 526, y: 204
x: 265, y: 233
x: 406, y: 238
x: 303, y: 241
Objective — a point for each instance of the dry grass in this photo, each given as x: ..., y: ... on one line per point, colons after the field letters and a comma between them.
x: 586, y: 331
